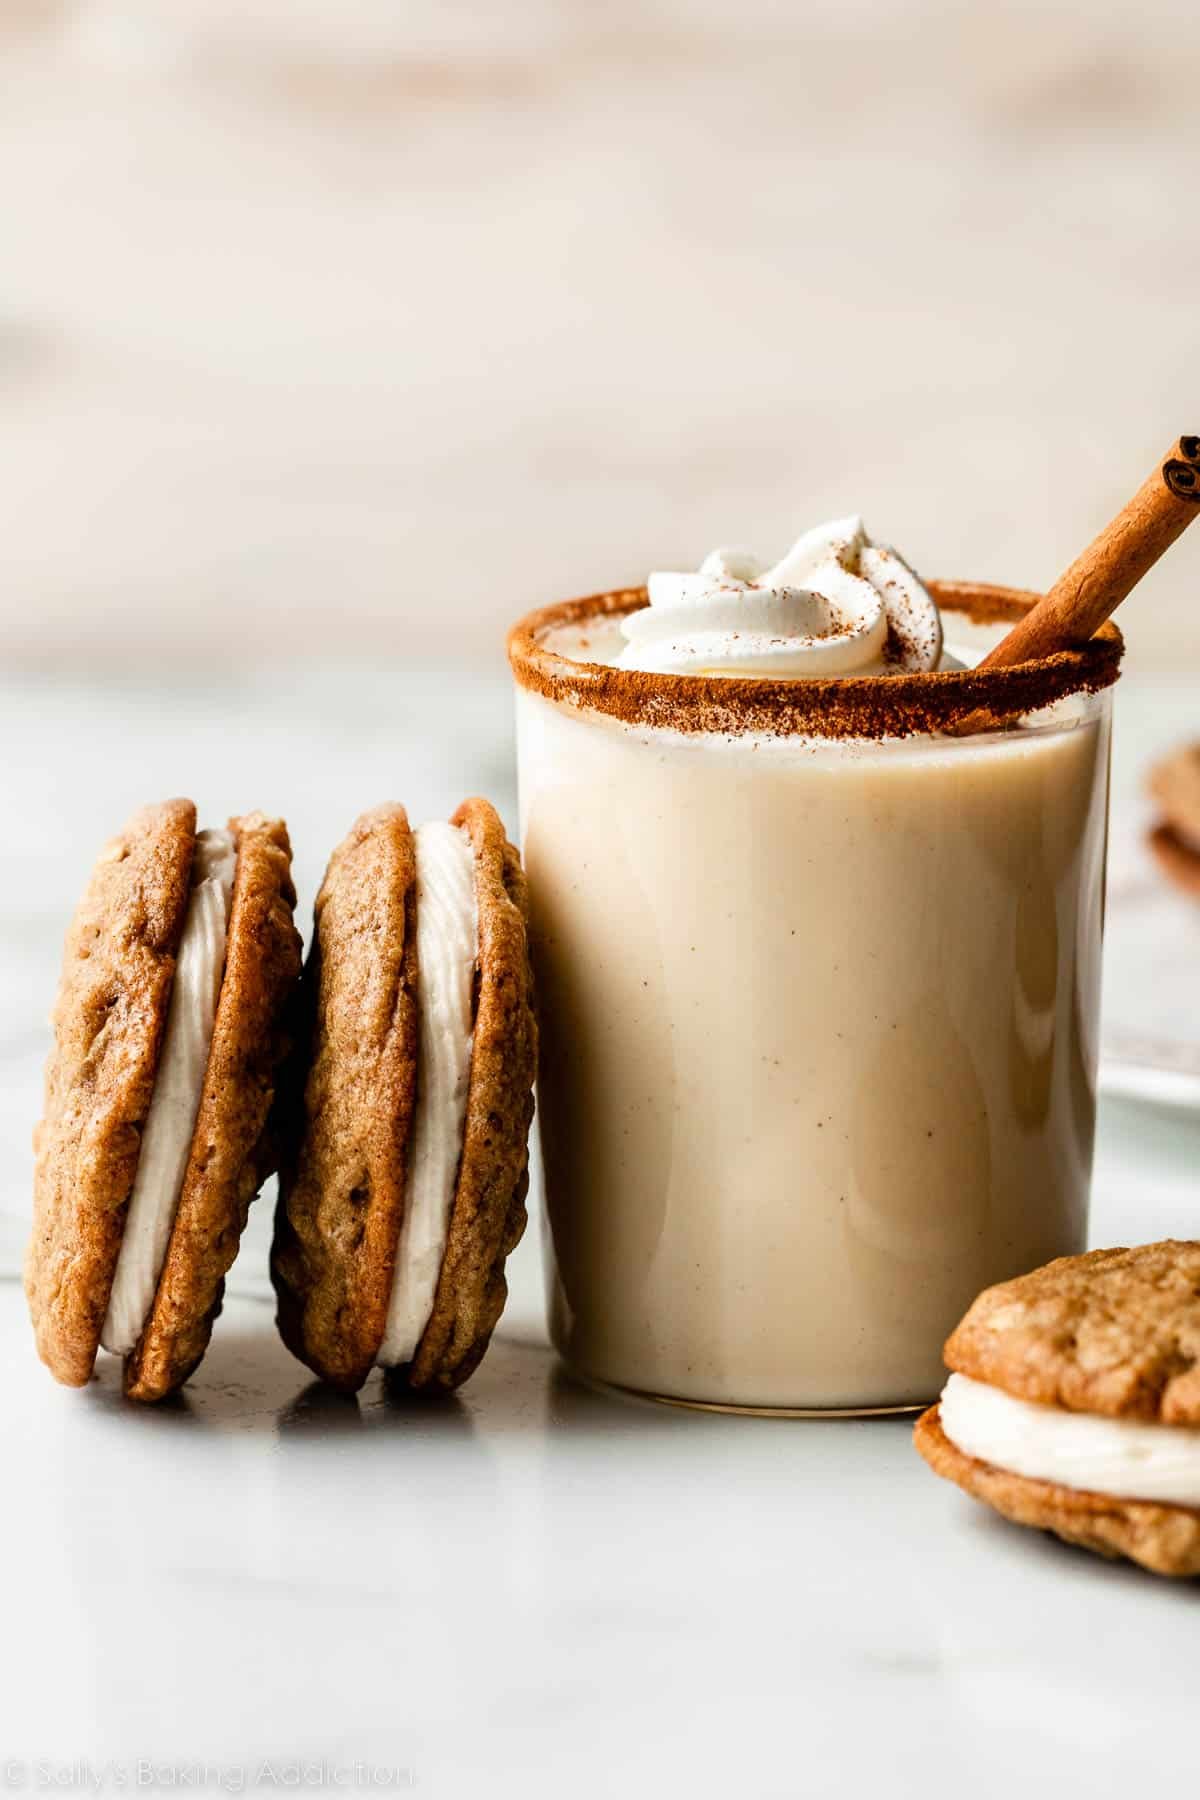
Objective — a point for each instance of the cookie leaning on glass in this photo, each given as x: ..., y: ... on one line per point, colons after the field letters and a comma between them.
x: 159, y: 1085
x: 404, y: 1173
x: 1074, y: 1404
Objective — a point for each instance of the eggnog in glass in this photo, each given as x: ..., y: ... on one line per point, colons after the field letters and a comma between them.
x: 818, y: 974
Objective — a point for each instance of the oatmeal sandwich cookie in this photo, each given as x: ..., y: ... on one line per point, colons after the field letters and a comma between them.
x: 1175, y: 838
x: 159, y: 1084
x: 404, y: 1172
x: 1074, y: 1404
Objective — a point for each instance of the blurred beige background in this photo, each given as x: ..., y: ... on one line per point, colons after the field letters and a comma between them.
x: 349, y: 328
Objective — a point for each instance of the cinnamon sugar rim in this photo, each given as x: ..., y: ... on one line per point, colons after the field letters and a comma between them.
x: 858, y: 706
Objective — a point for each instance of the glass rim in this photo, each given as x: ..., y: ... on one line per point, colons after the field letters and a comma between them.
x: 860, y: 707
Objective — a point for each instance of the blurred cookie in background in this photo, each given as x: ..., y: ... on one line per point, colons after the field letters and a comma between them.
x: 1175, y: 838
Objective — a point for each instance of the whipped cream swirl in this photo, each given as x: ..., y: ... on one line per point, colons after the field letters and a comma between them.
x: 837, y: 604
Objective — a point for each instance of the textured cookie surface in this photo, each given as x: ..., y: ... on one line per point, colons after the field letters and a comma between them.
x: 348, y: 1110
x: 109, y: 1019
x: 1115, y: 1332
x: 488, y: 1215
x: 1165, y: 1539
x: 232, y: 1151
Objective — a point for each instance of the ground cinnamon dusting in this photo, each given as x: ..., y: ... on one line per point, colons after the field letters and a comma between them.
x: 862, y: 706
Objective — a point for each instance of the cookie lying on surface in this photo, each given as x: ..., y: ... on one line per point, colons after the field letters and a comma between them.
x: 158, y: 1089
x: 1175, y: 840
x: 404, y: 1170
x: 1075, y: 1403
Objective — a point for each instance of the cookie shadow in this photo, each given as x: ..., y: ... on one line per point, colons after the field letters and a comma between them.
x: 1063, y: 1560
x: 246, y: 1380
x: 319, y: 1409
x: 249, y: 1382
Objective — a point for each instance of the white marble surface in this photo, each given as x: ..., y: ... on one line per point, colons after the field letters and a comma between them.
x: 538, y: 1590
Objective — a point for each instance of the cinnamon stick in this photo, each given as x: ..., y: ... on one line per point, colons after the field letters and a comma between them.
x: 1097, y: 582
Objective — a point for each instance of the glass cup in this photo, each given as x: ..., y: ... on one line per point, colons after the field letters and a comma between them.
x: 819, y: 1005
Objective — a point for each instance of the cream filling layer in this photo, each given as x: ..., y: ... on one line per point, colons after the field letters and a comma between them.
x: 1128, y: 1458
x: 447, y: 951
x: 178, y: 1086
